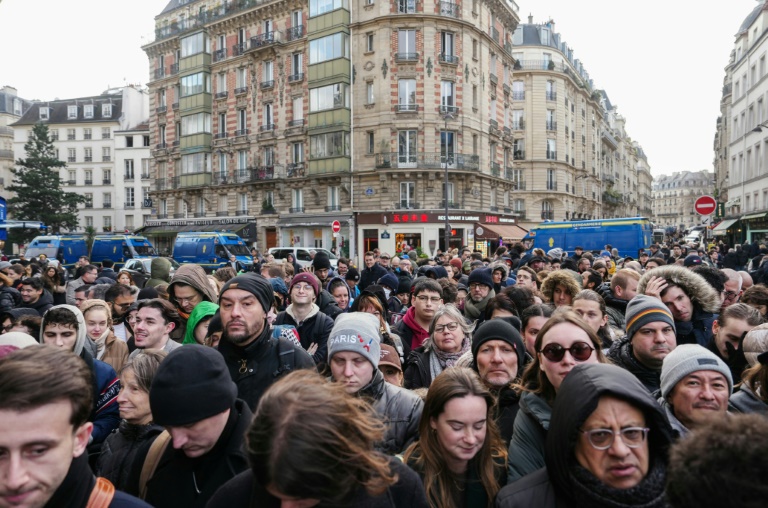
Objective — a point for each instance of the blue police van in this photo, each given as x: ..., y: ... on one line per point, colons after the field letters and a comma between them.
x: 211, y: 250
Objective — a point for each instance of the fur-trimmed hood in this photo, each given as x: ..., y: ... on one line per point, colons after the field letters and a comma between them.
x: 694, y: 285
x: 502, y: 265
x: 563, y: 277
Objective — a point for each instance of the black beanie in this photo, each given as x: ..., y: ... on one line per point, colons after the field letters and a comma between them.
x: 321, y: 261
x: 215, y: 325
x: 191, y: 384
x: 255, y: 284
x: 498, y: 329
x: 482, y: 276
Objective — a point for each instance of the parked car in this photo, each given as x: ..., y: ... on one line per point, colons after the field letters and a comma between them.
x: 140, y: 269
x: 301, y: 254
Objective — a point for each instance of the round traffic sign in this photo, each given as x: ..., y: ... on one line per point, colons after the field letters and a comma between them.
x: 705, y: 205
x: 336, y: 226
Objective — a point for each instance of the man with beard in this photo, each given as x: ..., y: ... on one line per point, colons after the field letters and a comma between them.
x: 119, y: 298
x: 650, y: 338
x: 498, y: 357
x: 480, y: 293
x: 255, y: 360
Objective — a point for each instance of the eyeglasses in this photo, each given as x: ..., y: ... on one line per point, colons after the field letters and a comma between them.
x: 451, y: 327
x: 476, y: 285
x: 123, y: 305
x: 729, y: 295
x: 303, y: 287
x: 602, y: 439
x: 425, y: 299
x: 384, y: 257
x: 580, y: 351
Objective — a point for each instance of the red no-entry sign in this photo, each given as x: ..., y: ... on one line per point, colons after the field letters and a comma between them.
x: 336, y: 226
x: 705, y: 205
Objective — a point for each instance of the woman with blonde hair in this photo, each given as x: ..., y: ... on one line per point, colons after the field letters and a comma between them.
x: 459, y: 456
x: 98, y: 328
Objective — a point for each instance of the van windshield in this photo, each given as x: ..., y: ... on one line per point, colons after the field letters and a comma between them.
x: 145, y: 250
x: 238, y: 250
x: 49, y: 251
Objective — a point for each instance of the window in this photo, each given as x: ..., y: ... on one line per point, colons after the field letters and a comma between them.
x: 71, y: 155
x: 450, y: 192
x: 242, y: 160
x: 129, y: 222
x: 106, y: 110
x: 329, y: 97
x: 222, y: 167
x: 447, y: 97
x: 406, y: 148
x: 221, y: 84
x: 407, y: 194
x: 71, y: 112
x: 406, y: 6
x: 129, y: 141
x: 551, y: 149
x: 195, y: 84
x: 88, y: 111
x: 242, y: 122
x: 446, y: 42
x: 87, y: 134
x: 518, y: 90
x: 332, y: 144
x: 518, y: 149
x: 369, y: 99
x: 298, y: 109
x: 145, y: 168
x: 269, y: 120
x: 44, y: 113
x: 107, y: 199
x: 447, y: 145
x: 17, y: 107
x: 108, y: 219
x: 196, y: 124
x: 269, y: 156
x: 222, y: 126
x: 267, y: 71
x: 196, y: 163
x: 297, y: 152
x: 369, y: 42
x: 70, y: 134
x: 72, y: 176
x: 106, y: 133
x: 407, y: 94
x: 88, y: 219
x: 129, y: 197
x: 551, y: 180
x: 145, y: 140
x: 163, y: 208
x: 333, y: 196
x: 297, y: 64
x: 370, y: 145
x: 241, y: 77
x: 546, y: 211
x: 329, y: 48
x: 474, y: 97
x: 317, y: 7
x: 297, y: 198
x: 474, y: 49
x: 162, y: 133
x: 54, y: 133
x: 88, y: 200
x: 194, y: 44
x: 129, y: 169
x: 88, y: 155
x: 406, y: 43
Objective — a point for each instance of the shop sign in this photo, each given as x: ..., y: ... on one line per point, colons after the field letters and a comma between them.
x: 385, y: 235
x: 198, y: 222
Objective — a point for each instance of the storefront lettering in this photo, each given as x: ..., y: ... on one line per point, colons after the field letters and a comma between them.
x: 404, y: 217
x: 460, y: 217
x: 198, y: 222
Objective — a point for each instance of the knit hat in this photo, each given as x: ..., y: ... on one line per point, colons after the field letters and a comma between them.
x: 352, y: 274
x: 689, y: 358
x: 390, y: 281
x: 642, y: 310
x: 357, y: 332
x: 191, y: 384
x: 404, y: 285
x: 278, y: 286
x: 456, y: 264
x: 321, y: 261
x: 389, y: 356
x: 307, y: 278
x: 605, y: 254
x: 481, y: 276
x: 254, y: 284
x: 215, y: 325
x: 755, y: 343
x: 147, y: 293
x: 555, y: 253
x: 19, y: 340
x: 4, y: 265
x: 496, y: 329
x: 692, y: 260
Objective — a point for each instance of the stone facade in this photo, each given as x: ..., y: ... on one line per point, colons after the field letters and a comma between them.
x: 674, y: 196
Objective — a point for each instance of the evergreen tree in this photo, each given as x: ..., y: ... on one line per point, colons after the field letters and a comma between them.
x: 37, y: 186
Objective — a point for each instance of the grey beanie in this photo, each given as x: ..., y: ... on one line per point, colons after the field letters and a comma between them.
x: 642, y: 310
x: 689, y: 358
x: 357, y: 332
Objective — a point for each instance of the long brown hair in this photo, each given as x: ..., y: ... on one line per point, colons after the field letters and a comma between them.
x: 311, y: 440
x: 534, y: 379
x: 427, y: 453
x: 756, y: 377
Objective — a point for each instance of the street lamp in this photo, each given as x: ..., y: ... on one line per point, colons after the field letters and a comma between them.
x: 447, y: 232
x: 758, y: 129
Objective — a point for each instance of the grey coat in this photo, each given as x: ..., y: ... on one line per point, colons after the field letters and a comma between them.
x: 526, y: 448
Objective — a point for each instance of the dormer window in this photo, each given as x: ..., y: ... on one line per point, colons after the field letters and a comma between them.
x: 44, y: 113
x: 106, y: 110
x: 71, y: 112
x: 88, y: 111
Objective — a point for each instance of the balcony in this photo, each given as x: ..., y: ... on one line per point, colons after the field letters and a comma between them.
x: 406, y: 57
x: 547, y: 215
x: 518, y: 96
x: 239, y: 48
x: 242, y: 175
x: 129, y: 205
x: 608, y: 178
x: 145, y: 176
x: 421, y: 160
x: 405, y: 204
x: 88, y: 158
x: 71, y: 182
x: 88, y: 205
x: 161, y: 184
x: 220, y: 135
x: 506, y: 88
x: 551, y: 155
x: 453, y: 205
x: 265, y: 39
x: 174, y: 68
x: 222, y: 95
x: 520, y: 214
x: 551, y: 96
x: 494, y: 79
x: 406, y: 108
x: 129, y: 176
x: 108, y: 181
x: 161, y: 109
x: 493, y: 208
x: 89, y: 181
x: 297, y: 209
x: 198, y: 214
x: 269, y: 127
x: 295, y: 125
x: 333, y: 208
x: 202, y: 179
x: 551, y: 125
x: 71, y: 159
x: 270, y: 83
x: 159, y: 73
x: 241, y: 90
x: 175, y: 106
x: 220, y: 54
x: 448, y: 59
x: 551, y: 185
x: 495, y: 169
x: 296, y: 78
x: 295, y: 170
x: 107, y: 205
x: 450, y: 9
x: 241, y: 132
x: 611, y: 198
x: 518, y: 125
x: 293, y: 33
x: 161, y: 146
x: 494, y: 34
x: 518, y: 185
x: 223, y: 213
x: 449, y: 110
x: 241, y: 211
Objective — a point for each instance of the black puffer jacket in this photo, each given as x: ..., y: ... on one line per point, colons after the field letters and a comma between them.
x: 10, y: 298
x: 119, y: 451
x: 400, y: 410
x: 621, y: 354
x: 42, y: 305
x: 614, y: 307
x: 417, y: 372
x: 559, y: 484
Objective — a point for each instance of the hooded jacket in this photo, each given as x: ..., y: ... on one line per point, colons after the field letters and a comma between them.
x: 115, y: 351
x: 191, y: 275
x: 9, y: 298
x: 579, y: 395
x: 746, y: 401
x: 526, y: 447
x: 704, y: 299
x: 105, y: 415
x: 203, y: 310
x: 160, y: 272
x: 621, y: 354
x: 616, y: 308
x: 306, y: 330
x: 119, y: 451
x: 42, y: 304
x: 556, y: 278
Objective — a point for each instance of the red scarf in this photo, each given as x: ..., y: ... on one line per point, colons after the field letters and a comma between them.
x: 419, y: 333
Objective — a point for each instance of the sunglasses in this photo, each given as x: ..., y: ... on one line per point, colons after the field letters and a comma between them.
x: 580, y: 351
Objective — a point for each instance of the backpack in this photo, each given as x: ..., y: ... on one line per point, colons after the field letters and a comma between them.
x: 285, y: 356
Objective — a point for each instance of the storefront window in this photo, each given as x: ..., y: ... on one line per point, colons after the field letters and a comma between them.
x: 412, y: 240
x: 370, y: 239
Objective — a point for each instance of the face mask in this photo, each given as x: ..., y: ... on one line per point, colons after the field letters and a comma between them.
x: 387, y: 292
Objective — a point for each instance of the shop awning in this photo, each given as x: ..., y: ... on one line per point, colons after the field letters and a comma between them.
x: 753, y: 216
x: 721, y: 228
x: 507, y: 232
x: 172, y: 230
x: 313, y: 221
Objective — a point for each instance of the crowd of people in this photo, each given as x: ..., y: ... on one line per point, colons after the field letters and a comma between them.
x: 524, y: 378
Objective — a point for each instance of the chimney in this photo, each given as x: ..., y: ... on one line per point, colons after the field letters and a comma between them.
x: 530, y: 19
x: 551, y: 24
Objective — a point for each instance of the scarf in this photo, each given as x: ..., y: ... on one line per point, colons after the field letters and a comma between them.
x: 440, y: 360
x: 419, y: 333
x: 100, y: 343
x: 76, y: 487
x: 586, y: 490
x: 474, y: 310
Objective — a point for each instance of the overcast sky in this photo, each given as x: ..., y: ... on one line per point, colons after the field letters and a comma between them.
x: 661, y: 62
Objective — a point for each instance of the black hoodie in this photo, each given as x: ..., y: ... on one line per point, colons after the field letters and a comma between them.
x: 579, y: 394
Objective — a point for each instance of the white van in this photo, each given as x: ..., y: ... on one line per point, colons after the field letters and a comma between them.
x: 301, y: 254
